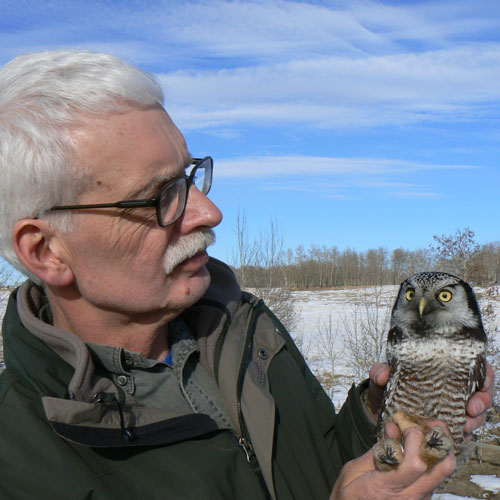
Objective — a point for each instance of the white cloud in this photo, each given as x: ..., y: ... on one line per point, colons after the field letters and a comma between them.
x: 324, y: 64
x: 458, y: 84
x: 340, y: 178
x: 187, y: 32
x: 285, y: 166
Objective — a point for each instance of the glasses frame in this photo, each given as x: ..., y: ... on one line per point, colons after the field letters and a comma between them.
x: 156, y: 201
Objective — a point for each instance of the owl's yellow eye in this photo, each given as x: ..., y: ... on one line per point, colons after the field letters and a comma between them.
x: 410, y: 293
x: 445, y: 295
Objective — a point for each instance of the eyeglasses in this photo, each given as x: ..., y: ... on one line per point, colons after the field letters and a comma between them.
x: 171, y: 200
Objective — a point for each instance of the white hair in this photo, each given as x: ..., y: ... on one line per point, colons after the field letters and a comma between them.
x: 42, y: 97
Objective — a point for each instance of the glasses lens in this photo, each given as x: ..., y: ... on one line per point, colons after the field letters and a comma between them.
x: 203, y: 175
x: 172, y: 201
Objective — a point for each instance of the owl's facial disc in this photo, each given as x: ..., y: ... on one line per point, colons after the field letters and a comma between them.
x: 435, y: 302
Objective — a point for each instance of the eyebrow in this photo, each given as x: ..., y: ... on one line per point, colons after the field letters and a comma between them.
x: 153, y: 186
x: 150, y: 189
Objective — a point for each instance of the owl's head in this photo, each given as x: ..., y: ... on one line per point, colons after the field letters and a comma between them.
x: 436, y: 301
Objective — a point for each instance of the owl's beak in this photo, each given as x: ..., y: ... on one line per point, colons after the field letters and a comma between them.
x: 421, y: 306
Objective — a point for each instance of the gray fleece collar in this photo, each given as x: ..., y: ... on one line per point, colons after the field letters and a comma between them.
x: 71, y: 348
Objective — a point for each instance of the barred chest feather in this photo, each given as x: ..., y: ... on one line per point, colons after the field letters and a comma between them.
x: 433, y: 378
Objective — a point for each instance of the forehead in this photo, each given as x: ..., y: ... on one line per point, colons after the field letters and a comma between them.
x: 125, y: 152
x: 431, y: 279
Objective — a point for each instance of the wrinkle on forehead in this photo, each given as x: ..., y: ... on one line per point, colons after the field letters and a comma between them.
x: 104, y: 146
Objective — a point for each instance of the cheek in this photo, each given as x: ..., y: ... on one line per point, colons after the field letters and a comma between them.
x: 125, y: 237
x: 118, y: 243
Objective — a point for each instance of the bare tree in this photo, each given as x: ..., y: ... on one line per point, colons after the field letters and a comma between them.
x: 330, y: 351
x: 263, y: 262
x: 457, y: 252
x: 303, y: 343
x: 281, y: 301
x: 488, y: 263
x: 270, y: 252
x: 246, y: 250
x: 254, y: 259
x: 366, y: 332
x: 490, y: 430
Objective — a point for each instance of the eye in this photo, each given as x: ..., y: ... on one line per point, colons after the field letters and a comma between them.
x: 445, y: 295
x: 410, y: 293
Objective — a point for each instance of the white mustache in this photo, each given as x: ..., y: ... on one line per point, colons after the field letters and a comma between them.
x: 187, y: 247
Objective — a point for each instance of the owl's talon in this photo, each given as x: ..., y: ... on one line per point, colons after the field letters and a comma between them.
x: 388, y: 454
x: 436, y: 444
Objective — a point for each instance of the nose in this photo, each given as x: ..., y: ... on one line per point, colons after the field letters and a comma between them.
x: 201, y: 212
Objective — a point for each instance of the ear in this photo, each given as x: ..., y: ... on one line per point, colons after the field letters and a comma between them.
x: 39, y: 248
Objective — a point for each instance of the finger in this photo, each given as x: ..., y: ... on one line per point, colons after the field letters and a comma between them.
x: 489, y: 381
x: 391, y: 430
x: 379, y: 374
x: 472, y: 423
x: 429, y: 479
x: 415, y: 473
x: 412, y: 466
x: 479, y: 403
x: 482, y: 400
x: 433, y: 478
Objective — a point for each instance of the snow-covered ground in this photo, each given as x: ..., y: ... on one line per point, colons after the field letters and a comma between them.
x: 327, y: 319
x: 352, y: 310
x: 330, y: 320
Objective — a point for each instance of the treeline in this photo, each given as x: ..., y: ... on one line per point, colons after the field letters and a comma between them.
x: 264, y: 263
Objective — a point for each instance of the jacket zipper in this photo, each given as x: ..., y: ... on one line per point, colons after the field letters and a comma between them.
x: 247, y: 448
x: 247, y: 356
x: 244, y: 439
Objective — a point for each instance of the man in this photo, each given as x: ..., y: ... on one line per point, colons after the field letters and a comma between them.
x: 136, y: 367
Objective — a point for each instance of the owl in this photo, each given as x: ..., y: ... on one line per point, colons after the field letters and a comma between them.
x: 436, y: 349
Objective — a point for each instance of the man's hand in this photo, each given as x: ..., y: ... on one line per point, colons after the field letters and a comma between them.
x: 360, y: 479
x: 478, y: 404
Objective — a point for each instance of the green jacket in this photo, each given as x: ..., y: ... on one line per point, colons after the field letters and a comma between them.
x: 67, y: 433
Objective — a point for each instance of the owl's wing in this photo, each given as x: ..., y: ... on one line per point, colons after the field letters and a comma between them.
x: 394, y: 336
x: 477, y: 374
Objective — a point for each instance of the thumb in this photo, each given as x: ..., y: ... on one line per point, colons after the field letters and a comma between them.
x: 379, y: 374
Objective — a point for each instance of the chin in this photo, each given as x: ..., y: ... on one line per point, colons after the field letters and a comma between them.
x: 185, y: 290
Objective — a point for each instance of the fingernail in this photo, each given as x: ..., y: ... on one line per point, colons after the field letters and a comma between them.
x: 477, y: 408
x: 379, y: 372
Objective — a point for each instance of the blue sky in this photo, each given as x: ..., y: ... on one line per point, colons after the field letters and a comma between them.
x: 351, y: 123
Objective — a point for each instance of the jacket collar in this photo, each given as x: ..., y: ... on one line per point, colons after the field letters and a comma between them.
x: 57, y: 365
x: 33, y: 349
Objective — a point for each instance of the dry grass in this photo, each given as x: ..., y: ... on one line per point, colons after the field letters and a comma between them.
x: 461, y: 485
x: 484, y: 460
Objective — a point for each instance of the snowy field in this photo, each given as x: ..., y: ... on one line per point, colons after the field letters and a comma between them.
x: 333, y: 323
x: 329, y: 321
x: 330, y: 316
